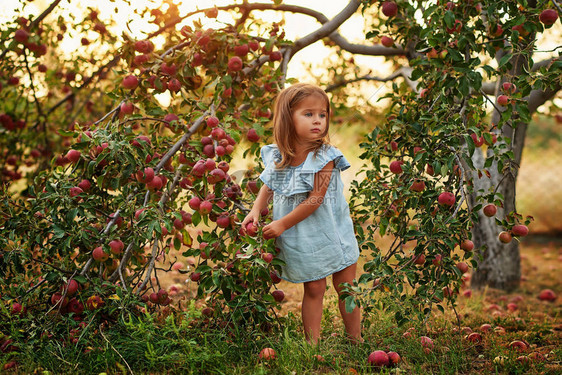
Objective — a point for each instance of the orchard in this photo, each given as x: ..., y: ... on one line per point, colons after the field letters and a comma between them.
x: 118, y: 166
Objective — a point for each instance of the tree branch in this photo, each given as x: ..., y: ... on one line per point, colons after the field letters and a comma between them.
x: 328, y: 27
x: 341, y: 83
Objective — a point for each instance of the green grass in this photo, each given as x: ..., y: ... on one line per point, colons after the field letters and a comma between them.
x: 182, y: 343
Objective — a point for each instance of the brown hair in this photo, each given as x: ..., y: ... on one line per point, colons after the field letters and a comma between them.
x: 284, y: 129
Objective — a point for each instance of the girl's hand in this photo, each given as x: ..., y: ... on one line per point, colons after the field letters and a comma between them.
x: 252, y: 217
x: 273, y: 229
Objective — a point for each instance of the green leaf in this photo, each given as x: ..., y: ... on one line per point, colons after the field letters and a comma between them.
x: 350, y: 304
x: 504, y: 60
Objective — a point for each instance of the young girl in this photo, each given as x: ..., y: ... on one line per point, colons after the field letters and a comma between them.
x: 311, y: 221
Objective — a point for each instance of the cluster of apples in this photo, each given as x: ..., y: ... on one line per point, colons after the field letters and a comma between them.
x: 380, y: 358
x: 67, y: 299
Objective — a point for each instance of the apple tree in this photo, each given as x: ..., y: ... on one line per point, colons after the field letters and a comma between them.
x: 103, y: 187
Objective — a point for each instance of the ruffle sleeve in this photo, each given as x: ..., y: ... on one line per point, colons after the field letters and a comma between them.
x: 296, y: 180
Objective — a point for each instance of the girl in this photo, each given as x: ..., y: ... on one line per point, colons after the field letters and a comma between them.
x: 311, y: 221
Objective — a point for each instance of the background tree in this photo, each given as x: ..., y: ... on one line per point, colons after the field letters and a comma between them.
x: 108, y: 208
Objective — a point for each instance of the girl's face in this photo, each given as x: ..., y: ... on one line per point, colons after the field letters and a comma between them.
x: 310, y: 118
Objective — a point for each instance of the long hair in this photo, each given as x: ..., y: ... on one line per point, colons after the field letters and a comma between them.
x: 283, y: 127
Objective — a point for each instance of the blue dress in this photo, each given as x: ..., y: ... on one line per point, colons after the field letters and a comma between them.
x: 324, y: 242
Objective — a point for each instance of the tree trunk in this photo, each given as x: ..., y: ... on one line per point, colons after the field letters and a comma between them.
x: 498, y: 263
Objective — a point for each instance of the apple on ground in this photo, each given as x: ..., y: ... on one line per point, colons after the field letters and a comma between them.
x: 394, y: 358
x: 519, y: 345
x: 378, y: 358
x: 485, y: 327
x: 547, y: 295
x: 267, y: 354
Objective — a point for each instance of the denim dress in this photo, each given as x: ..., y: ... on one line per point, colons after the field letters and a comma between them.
x: 324, y: 242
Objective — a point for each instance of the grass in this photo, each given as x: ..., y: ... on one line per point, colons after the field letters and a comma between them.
x: 181, y: 342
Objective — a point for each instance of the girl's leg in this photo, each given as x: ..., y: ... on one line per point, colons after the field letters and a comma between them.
x: 312, y: 309
x: 352, y: 320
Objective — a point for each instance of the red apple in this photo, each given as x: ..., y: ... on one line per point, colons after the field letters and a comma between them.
x: 171, y: 117
x: 520, y: 230
x: 426, y: 342
x: 74, y: 191
x: 387, y: 41
x: 130, y: 82
x: 275, y: 56
x: 127, y: 108
x: 73, y: 155
x: 241, y: 50
x: 252, y: 135
x: 396, y: 166
x: 21, y: 36
x: 205, y: 207
x: 437, y: 260
x: 419, y: 259
x: 278, y: 295
x: 474, y: 337
x: 268, y: 257
x: 478, y: 141
x: 174, y: 85
x: 146, y: 175
x: 194, y: 203
x: 457, y: 26
x: 394, y: 358
x: 547, y: 295
x: 485, y: 327
x: 509, y: 87
x: 168, y: 69
x: 274, y: 277
x: 518, y: 345
x: 417, y: 186
x: 235, y: 64
x: 251, y: 229
x: 94, y: 302
x: 490, y: 210
x: 389, y: 8
x: 71, y: 287
x: 446, y: 199
x: 212, y: 121
x: 467, y: 245
x: 548, y: 16
x: 267, y: 354
x: 195, y: 276
x: 505, y: 237
x: 378, y: 358
x: 462, y: 266
x: 253, y: 186
x: 223, y: 221
x: 503, y: 100
x: 99, y: 255
x: 75, y: 306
